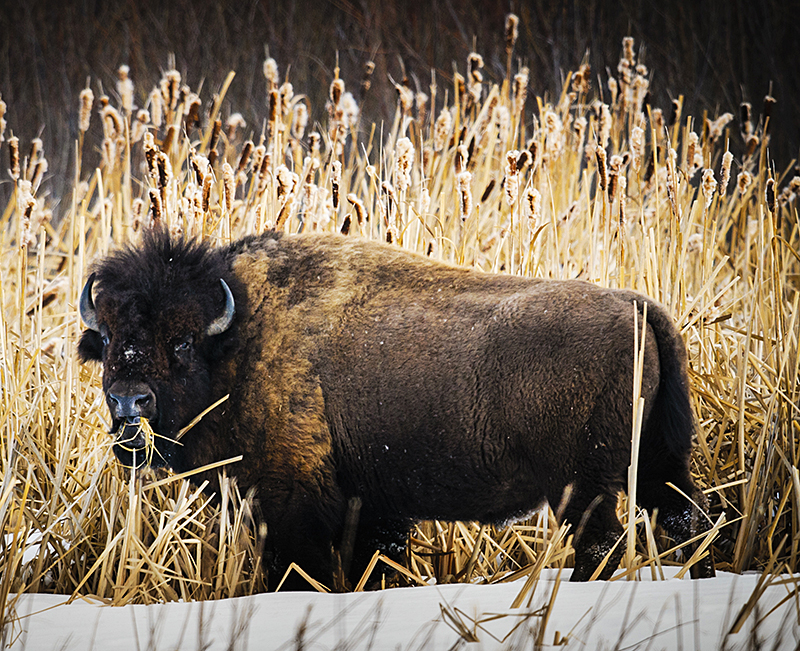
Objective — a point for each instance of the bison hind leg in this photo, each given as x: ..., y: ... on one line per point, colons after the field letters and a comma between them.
x: 680, y: 518
x: 388, y: 536
x: 596, y: 532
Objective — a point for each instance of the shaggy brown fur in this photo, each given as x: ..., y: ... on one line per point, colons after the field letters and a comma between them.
x: 357, y: 369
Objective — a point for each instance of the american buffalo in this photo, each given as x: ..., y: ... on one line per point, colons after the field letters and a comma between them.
x: 359, y: 370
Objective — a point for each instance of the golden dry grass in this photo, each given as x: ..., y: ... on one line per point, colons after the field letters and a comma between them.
x: 475, y: 174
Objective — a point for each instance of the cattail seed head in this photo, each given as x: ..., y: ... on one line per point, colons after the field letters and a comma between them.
x: 465, y: 194
x: 709, y: 186
x: 156, y: 108
x: 85, y: 112
x: 360, y: 209
x: 125, y: 88
x: 725, y: 173
x: 743, y: 181
x: 691, y: 148
x: 137, y: 210
x: 13, y: 157
x: 512, y: 177
x: 336, y: 179
x: 520, y: 90
x: 441, y: 130
x: 299, y: 120
x: 600, y: 153
x: 512, y: 32
x: 271, y: 73
x: 637, y: 147
x: 228, y: 186
x: 156, y: 209
x: 139, y: 125
x: 336, y: 91
x: 533, y: 198
x: 604, y: 124
x: 627, y: 49
x: 769, y: 195
x: 614, y: 165
x: 404, y: 150
x: 716, y: 127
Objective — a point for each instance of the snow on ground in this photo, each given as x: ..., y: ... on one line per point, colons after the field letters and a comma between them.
x: 672, y: 614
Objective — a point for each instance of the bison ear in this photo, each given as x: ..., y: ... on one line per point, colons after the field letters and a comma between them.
x: 90, y: 347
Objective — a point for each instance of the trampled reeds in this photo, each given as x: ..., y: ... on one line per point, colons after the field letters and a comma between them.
x: 486, y: 175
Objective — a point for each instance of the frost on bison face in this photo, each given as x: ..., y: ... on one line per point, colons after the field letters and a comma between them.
x: 357, y: 372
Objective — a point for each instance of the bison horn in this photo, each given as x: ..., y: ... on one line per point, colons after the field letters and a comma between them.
x: 222, y: 323
x: 86, y: 306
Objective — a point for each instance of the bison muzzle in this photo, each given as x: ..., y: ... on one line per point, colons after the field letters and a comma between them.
x: 358, y: 370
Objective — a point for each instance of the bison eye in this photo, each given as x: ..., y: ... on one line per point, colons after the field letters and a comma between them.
x: 183, y: 345
x: 105, y: 335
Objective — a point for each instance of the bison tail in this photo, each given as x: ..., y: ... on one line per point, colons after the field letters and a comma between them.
x: 671, y: 423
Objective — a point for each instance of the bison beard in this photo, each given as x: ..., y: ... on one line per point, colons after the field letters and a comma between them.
x: 359, y: 370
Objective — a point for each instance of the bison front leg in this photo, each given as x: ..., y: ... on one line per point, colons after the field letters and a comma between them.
x: 302, y: 532
x: 596, y: 532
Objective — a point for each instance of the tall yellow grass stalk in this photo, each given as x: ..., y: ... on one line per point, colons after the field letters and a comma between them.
x: 489, y: 181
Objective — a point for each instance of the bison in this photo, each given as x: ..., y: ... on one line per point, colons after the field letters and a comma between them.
x: 356, y: 369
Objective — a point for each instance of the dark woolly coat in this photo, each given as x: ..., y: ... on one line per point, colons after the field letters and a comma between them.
x: 357, y: 369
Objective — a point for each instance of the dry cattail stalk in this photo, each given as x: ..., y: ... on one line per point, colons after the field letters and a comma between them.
x: 637, y: 148
x: 404, y: 151
x: 271, y: 73
x: 709, y: 186
x: 600, y: 153
x: 228, y: 186
x: 672, y: 181
x: 336, y: 179
x: 156, y: 108
x: 511, y: 185
x: 464, y: 194
x: 725, y: 173
x: 743, y: 181
x: 441, y: 130
x: 125, y: 88
x: 85, y: 112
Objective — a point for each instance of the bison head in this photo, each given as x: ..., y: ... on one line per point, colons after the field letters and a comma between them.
x: 158, y: 323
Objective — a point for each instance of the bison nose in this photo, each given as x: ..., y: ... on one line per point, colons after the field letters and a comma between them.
x: 133, y: 404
